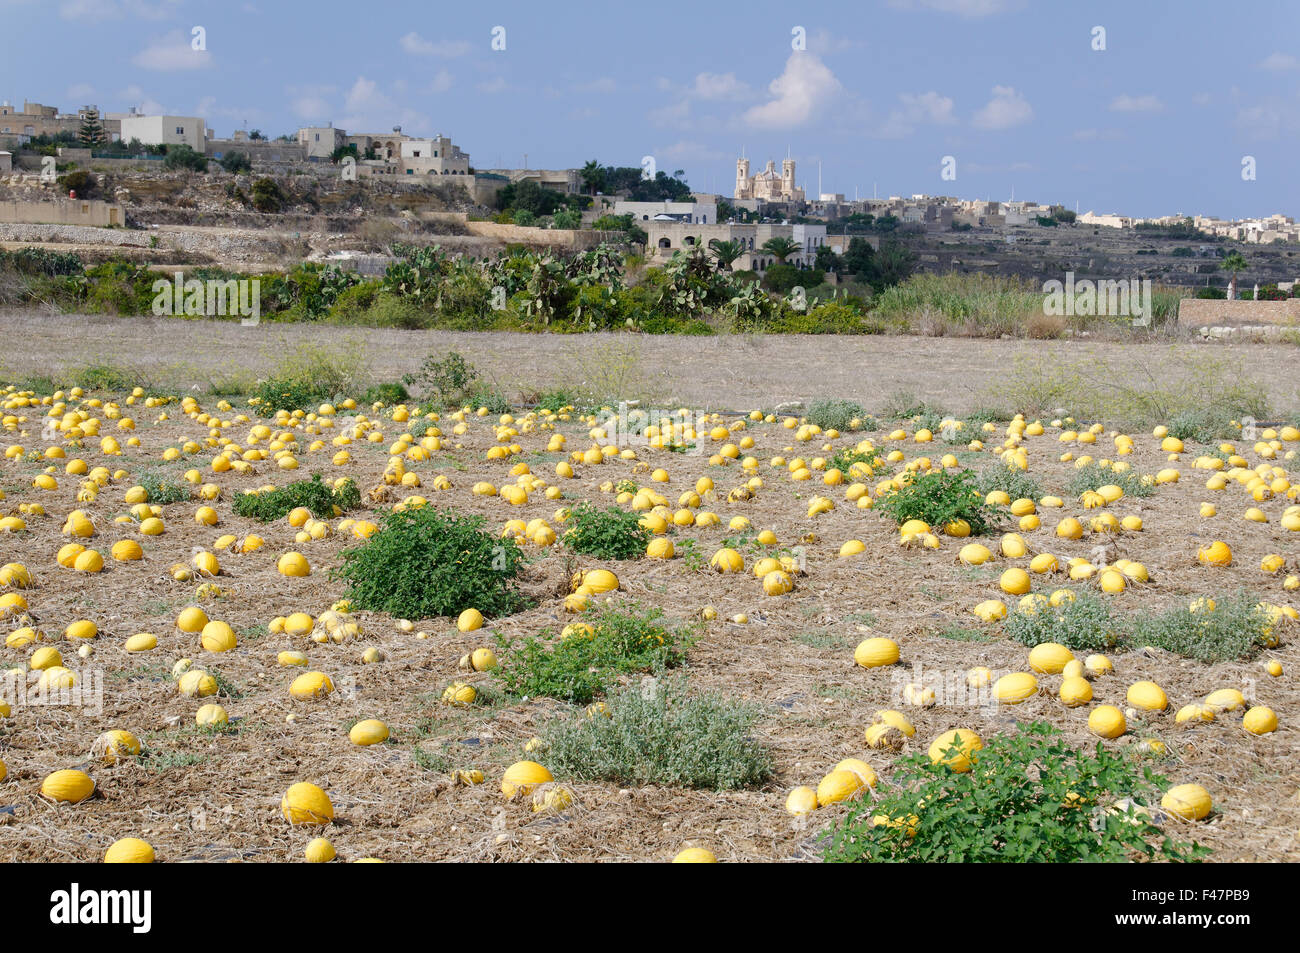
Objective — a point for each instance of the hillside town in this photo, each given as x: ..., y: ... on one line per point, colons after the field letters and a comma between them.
x: 762, y: 205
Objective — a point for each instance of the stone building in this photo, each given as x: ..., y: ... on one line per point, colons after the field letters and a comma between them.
x: 767, y: 184
x: 665, y: 238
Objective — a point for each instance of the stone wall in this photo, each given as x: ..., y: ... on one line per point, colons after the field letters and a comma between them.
x: 63, y: 212
x: 1207, y: 312
x: 552, y: 237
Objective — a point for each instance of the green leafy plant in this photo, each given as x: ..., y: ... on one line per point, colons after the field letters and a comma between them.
x: 1203, y: 424
x: 939, y: 498
x: 313, y: 494
x: 424, y: 562
x: 1010, y: 480
x: 1085, y: 623
x: 1031, y: 798
x: 662, y: 736
x: 392, y: 393
x: 844, y: 458
x: 446, y: 380
x: 835, y: 414
x: 610, y: 533
x: 1236, y: 629
x: 163, y: 492
x: 623, y: 639
x: 1093, y: 476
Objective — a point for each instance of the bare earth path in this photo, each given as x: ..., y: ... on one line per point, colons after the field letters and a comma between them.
x: 724, y: 372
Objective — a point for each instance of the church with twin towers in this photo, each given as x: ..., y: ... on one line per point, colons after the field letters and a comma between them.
x: 767, y: 185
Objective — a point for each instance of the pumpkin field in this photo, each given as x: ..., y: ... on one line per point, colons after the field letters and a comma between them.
x: 405, y: 630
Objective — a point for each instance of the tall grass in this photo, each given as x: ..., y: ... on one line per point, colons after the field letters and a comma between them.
x: 1167, y: 387
x: 972, y: 304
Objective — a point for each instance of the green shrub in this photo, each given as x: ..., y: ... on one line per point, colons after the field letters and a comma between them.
x: 1085, y: 623
x: 42, y: 261
x: 939, y: 498
x: 1236, y: 629
x: 183, y: 157
x: 835, y: 414
x: 1203, y: 425
x: 106, y: 377
x: 311, y: 375
x: 353, y: 305
x: 1093, y: 476
x: 392, y: 393
x: 663, y: 737
x: 830, y: 318
x: 313, y: 494
x: 610, y: 533
x: 446, y: 381
x: 557, y: 399
x: 267, y: 196
x: 625, y: 640
x: 844, y: 458
x: 1010, y: 480
x: 904, y: 405
x: 494, y: 401
x: 236, y: 162
x: 1012, y: 808
x: 424, y: 562
x: 163, y: 492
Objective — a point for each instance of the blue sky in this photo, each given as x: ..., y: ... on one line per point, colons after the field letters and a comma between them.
x: 1157, y: 122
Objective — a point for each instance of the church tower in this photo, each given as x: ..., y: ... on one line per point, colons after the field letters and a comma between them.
x: 742, y: 178
x: 787, y: 178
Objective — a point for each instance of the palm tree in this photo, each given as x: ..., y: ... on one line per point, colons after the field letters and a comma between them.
x: 780, y: 248
x: 1233, y: 263
x: 593, y: 177
x: 726, y: 252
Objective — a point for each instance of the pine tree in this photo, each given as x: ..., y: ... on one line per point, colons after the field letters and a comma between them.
x: 92, y: 130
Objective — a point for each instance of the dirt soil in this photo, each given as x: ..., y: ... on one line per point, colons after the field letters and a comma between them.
x: 704, y: 373
x: 199, y: 796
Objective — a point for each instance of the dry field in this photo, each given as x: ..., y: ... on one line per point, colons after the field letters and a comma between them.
x: 201, y: 796
x: 704, y: 373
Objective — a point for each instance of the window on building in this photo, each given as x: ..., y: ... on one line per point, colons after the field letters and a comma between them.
x: 180, y: 130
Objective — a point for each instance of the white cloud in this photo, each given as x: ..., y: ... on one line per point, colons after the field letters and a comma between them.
x: 824, y: 41
x: 1096, y: 135
x: 146, y: 104
x: 90, y: 11
x: 1201, y: 99
x: 208, y: 108
x: 719, y: 86
x: 1279, y: 62
x: 1124, y: 103
x: 686, y: 151
x: 982, y: 169
x: 965, y: 8
x: 369, y: 109
x: 441, y: 83
x: 311, y: 102
x: 80, y: 91
x: 1007, y: 108
x: 171, y: 53
x: 917, y: 109
x: 1267, y: 120
x: 495, y: 85
x: 674, y: 114
x: 417, y: 45
x: 603, y: 85
x: 802, y: 90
